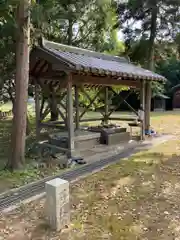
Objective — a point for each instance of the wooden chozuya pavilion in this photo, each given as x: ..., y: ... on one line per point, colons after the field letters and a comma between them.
x: 70, y: 70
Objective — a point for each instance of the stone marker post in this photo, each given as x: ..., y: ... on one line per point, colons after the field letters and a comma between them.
x: 57, y: 203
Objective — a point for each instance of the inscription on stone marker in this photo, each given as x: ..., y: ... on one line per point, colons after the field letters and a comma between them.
x: 57, y: 203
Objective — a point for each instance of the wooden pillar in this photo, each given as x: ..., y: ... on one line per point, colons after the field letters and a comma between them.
x: 147, y: 105
x: 77, y: 106
x: 70, y: 122
x: 106, y: 101
x: 142, y: 105
x: 37, y: 110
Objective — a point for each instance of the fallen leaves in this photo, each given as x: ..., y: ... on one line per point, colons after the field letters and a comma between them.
x: 134, y: 199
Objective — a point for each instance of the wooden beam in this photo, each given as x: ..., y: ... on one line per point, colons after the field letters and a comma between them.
x: 124, y: 100
x: 60, y: 100
x: 106, y: 81
x: 131, y: 108
x: 62, y: 105
x: 91, y: 101
x: 88, y: 97
x: 42, y: 105
x: 77, y: 107
x: 45, y: 113
x: 106, y: 102
x: 120, y: 102
x: 91, y: 119
x: 128, y: 119
x: 62, y: 115
x: 70, y: 116
x: 148, y: 93
x: 81, y: 80
x: 51, y: 125
x: 142, y: 107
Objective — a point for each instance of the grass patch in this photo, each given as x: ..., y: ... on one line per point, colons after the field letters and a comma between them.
x: 11, y: 180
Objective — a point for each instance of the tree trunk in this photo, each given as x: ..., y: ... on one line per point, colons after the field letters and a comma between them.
x: 17, y: 158
x: 70, y: 32
x: 150, y: 63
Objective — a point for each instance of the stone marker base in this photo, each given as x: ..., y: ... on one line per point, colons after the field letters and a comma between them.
x: 57, y: 203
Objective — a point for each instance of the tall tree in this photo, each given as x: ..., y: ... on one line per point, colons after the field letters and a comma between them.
x: 177, y: 42
x: 157, y: 19
x: 16, y: 160
x: 74, y: 22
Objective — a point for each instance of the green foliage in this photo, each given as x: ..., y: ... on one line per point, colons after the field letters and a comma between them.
x: 94, y: 25
x: 133, y: 11
x: 148, y: 28
x: 70, y: 22
x: 113, y: 45
x: 171, y: 70
x: 74, y: 22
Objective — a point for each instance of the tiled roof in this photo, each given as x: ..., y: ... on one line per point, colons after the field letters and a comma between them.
x: 99, y: 63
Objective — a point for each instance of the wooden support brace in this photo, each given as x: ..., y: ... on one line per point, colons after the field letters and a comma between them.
x: 62, y: 115
x: 46, y: 112
x: 130, y: 107
x: 124, y: 100
x: 120, y: 102
x: 91, y: 102
x: 42, y: 105
x: 62, y: 105
x: 94, y: 99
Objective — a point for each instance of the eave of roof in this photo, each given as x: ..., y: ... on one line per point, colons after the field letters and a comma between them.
x: 160, y: 95
x: 98, y: 63
x: 175, y: 88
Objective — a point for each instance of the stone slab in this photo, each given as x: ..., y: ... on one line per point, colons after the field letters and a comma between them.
x: 57, y: 203
x: 115, y: 138
x: 82, y: 139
